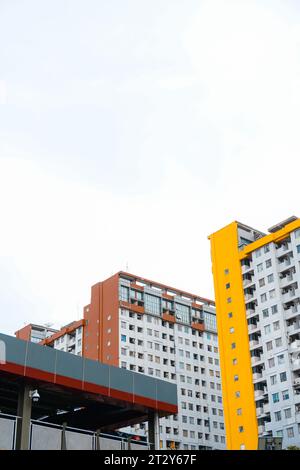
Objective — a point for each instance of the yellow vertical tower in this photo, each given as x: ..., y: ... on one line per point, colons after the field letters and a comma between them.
x: 237, y: 384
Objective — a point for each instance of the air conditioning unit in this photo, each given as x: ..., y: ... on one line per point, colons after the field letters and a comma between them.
x: 297, y: 381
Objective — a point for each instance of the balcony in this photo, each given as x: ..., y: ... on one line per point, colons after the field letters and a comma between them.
x: 286, y: 280
x: 254, y: 343
x: 261, y: 429
x: 168, y: 316
x: 267, y: 408
x: 297, y: 397
x: 249, y: 296
x: 291, y: 312
x: 255, y: 360
x: 246, y: 268
x: 250, y: 312
x: 295, y: 364
x: 253, y: 327
x: 283, y: 250
x: 285, y: 263
x: 290, y: 295
x: 259, y: 411
x: 132, y: 307
x: 295, y: 345
x: 248, y: 282
x: 258, y: 394
x: 198, y: 326
x: 257, y: 376
x: 296, y: 383
x: 294, y: 328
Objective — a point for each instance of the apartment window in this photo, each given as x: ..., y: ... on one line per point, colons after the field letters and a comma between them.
x: 182, y: 313
x: 263, y: 298
x: 276, y: 325
x: 271, y: 362
x: 285, y: 395
x: 233, y: 345
x: 237, y: 394
x: 152, y: 304
x: 280, y: 359
x: 283, y: 377
x: 278, y: 342
x: 241, y: 428
x: 149, y: 332
x: 123, y: 351
x: 269, y: 345
x: 123, y: 338
x: 149, y: 344
x: 226, y: 271
x: 297, y: 233
x: 229, y: 300
x: 290, y: 432
x: 231, y: 330
x: 298, y: 248
x: 124, y: 293
x: 270, y: 278
x: 272, y: 294
x: 239, y: 411
x: 228, y: 285
x: 258, y: 253
x: 265, y: 313
x: 274, y: 309
x: 236, y: 378
x: 234, y: 361
x: 287, y: 413
x: 123, y: 325
x: 273, y: 379
x: 268, y: 263
x: 275, y: 397
x: 260, y: 267
x: 277, y: 415
x: 230, y: 315
x: 261, y: 282
x: 266, y: 248
x: 267, y: 329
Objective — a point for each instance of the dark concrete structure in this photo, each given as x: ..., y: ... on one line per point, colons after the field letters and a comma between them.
x: 83, y: 393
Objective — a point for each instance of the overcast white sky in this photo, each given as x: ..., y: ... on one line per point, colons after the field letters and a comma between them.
x: 132, y: 129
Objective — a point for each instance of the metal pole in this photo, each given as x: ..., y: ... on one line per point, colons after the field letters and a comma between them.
x: 63, y: 445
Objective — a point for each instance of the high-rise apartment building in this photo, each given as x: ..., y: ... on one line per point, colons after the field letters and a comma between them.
x: 153, y: 329
x: 257, y: 289
x: 35, y: 333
